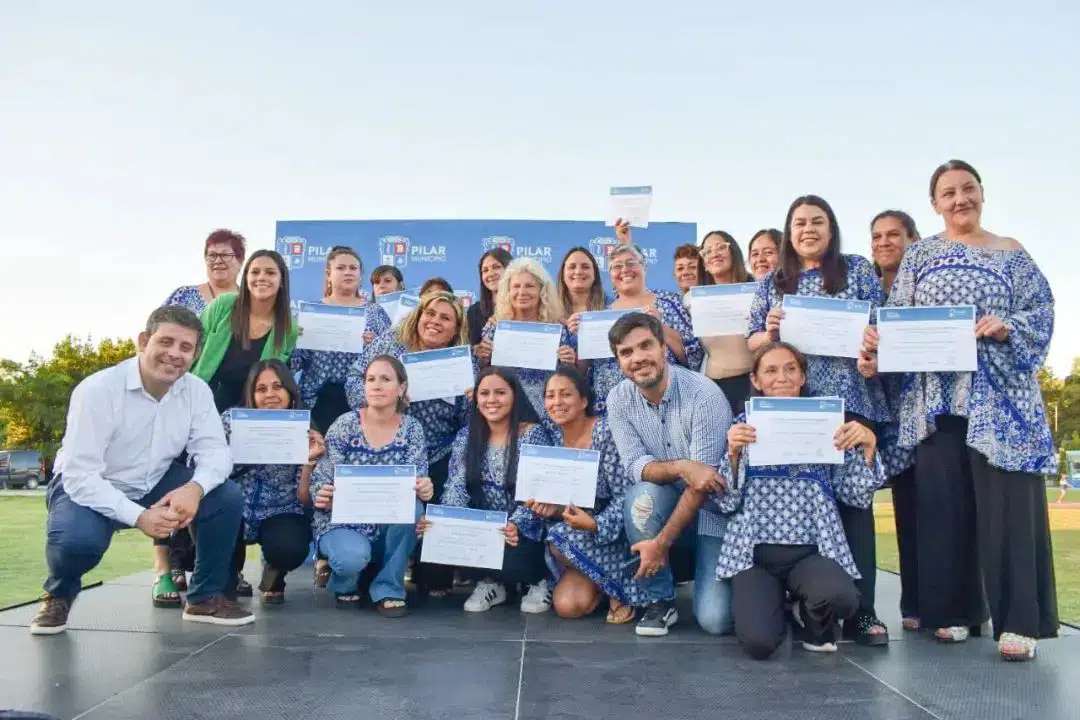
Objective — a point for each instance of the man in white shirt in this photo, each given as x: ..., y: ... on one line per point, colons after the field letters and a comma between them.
x: 121, y: 465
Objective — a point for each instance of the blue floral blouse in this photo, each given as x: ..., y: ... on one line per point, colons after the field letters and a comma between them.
x: 317, y: 368
x: 794, y: 505
x: 269, y: 490
x: 1001, y: 400
x: 346, y: 445
x: 605, y: 373
x: 189, y: 297
x: 441, y: 419
x: 533, y: 380
x: 834, y: 376
x: 495, y: 495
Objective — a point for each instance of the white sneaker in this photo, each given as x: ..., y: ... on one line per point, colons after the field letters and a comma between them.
x: 485, y: 596
x: 538, y: 599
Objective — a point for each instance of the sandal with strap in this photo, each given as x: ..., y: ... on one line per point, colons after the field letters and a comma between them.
x: 1017, y: 648
x: 164, y: 592
x: 912, y: 624
x: 179, y: 578
x: 322, y: 572
x: 273, y: 597
x: 952, y: 634
x: 392, y: 608
x: 859, y: 627
x: 621, y: 615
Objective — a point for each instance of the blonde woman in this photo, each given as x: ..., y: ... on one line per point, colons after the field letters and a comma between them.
x: 527, y: 294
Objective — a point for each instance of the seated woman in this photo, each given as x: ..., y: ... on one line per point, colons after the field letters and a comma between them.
x: 589, y: 548
x: 273, y: 511
x: 483, y: 471
x: 786, y: 533
x: 378, y: 434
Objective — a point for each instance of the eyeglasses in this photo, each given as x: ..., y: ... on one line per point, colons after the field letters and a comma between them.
x: 628, y: 265
x: 212, y: 258
x: 721, y: 249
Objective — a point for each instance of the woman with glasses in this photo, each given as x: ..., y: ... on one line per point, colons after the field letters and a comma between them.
x: 727, y: 357
x: 224, y: 254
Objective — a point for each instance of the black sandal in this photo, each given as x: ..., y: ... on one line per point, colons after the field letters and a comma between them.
x: 861, y: 623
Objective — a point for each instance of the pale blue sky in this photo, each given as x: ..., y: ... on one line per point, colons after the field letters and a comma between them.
x: 128, y: 131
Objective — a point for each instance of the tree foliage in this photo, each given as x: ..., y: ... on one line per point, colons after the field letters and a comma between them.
x: 34, y: 395
x: 1062, y: 397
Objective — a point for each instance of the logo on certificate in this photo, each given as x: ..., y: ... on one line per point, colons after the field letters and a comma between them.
x: 498, y: 241
x: 291, y: 248
x: 394, y: 250
x: 601, y: 247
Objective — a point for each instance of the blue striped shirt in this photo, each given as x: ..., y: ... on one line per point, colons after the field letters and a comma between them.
x: 690, y: 423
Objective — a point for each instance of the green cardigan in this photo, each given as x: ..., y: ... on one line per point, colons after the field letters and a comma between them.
x: 217, y: 334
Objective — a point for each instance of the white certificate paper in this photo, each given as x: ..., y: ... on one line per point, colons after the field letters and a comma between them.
x: 927, y: 339
x: 269, y: 437
x: 632, y: 204
x: 374, y: 495
x: 793, y: 431
x: 592, y: 339
x: 398, y: 305
x: 464, y: 537
x: 444, y: 373
x: 526, y: 344
x: 721, y: 309
x: 336, y: 328
x: 557, y: 475
x: 825, y: 326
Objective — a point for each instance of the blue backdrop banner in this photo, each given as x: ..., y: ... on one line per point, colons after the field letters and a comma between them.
x: 452, y: 248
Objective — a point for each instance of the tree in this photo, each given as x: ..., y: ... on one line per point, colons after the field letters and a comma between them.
x: 34, y: 395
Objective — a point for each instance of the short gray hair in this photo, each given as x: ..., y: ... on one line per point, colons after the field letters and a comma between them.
x: 623, y: 250
x: 177, y: 315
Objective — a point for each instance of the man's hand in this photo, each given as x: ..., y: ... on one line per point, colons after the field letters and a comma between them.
x: 653, y: 556
x: 158, y: 522
x: 183, y: 501
x: 703, y: 478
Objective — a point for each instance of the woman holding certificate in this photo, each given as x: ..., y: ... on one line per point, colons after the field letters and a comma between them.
x: 785, y: 534
x: 378, y: 434
x: 273, y: 511
x: 981, y: 438
x: 811, y: 266
x: 322, y: 372
x: 483, y: 473
x: 580, y: 286
x: 491, y: 267
x: 528, y: 300
x: 437, y: 323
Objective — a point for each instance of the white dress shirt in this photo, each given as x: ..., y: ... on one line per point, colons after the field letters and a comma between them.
x: 120, y: 441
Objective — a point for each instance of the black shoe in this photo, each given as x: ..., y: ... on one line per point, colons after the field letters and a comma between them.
x: 858, y: 626
x: 657, y: 619
x: 243, y: 587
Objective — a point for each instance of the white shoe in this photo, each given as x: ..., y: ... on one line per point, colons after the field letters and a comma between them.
x: 538, y: 599
x: 824, y: 647
x: 485, y: 596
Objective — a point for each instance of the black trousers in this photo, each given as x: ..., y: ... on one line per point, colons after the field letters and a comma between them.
x: 826, y: 591
x: 862, y: 539
x: 736, y: 389
x: 429, y: 576
x: 521, y: 564
x: 907, y: 534
x: 285, y: 541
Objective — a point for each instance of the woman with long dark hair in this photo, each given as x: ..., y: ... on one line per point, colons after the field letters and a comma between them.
x: 727, y: 357
x: 579, y: 284
x: 490, y: 269
x: 763, y: 252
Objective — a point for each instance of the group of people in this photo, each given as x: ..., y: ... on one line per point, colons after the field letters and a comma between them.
x: 676, y: 499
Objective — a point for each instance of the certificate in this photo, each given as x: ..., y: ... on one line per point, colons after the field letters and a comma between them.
x: 721, y: 309
x: 632, y: 204
x: 557, y: 475
x: 269, y: 437
x: 398, y: 305
x: 336, y: 328
x: 374, y: 495
x: 793, y: 431
x: 825, y: 326
x: 927, y: 339
x: 464, y: 537
x: 444, y: 373
x: 526, y: 344
x: 592, y: 339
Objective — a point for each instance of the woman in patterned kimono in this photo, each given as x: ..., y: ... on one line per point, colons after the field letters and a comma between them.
x: 322, y: 372
x: 785, y: 533
x: 982, y: 442
x: 380, y: 433
x: 589, y: 547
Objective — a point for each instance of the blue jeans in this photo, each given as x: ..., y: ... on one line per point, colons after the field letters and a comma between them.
x: 349, y: 552
x: 77, y: 537
x: 646, y: 510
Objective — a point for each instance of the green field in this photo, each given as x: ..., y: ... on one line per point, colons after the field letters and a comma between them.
x: 22, y: 557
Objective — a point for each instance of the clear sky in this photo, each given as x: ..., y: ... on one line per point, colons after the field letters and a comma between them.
x: 129, y: 130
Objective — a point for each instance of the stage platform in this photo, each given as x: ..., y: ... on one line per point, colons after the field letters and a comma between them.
x: 122, y: 659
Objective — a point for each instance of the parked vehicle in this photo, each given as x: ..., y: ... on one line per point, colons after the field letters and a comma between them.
x: 21, y: 469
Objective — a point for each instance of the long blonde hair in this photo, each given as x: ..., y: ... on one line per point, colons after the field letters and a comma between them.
x: 408, y: 333
x: 551, y: 307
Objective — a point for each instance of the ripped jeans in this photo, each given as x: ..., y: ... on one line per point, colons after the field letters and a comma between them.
x: 646, y: 510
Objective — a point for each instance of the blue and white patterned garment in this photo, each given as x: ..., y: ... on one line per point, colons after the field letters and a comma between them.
x: 794, y: 505
x: 316, y: 368
x: 495, y: 494
x: 1001, y: 400
x: 441, y: 420
x: 835, y: 376
x: 605, y: 373
x: 600, y: 555
x: 532, y: 380
x: 269, y: 490
x: 691, y: 423
x: 188, y: 296
x: 347, y: 445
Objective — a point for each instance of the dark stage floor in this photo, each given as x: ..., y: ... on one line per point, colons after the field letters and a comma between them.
x: 121, y: 658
